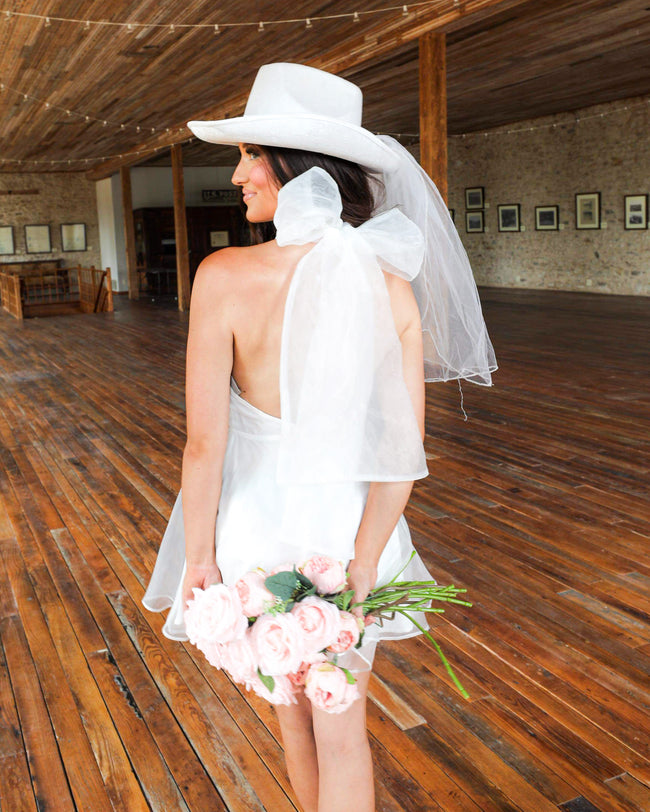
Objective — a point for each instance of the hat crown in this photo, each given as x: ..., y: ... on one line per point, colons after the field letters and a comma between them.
x: 284, y: 88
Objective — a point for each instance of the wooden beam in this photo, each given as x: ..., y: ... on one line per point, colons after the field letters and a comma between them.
x: 180, y: 227
x: 433, y: 109
x: 371, y: 43
x: 129, y: 233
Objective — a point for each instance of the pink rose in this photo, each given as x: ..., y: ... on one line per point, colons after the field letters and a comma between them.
x: 214, y: 616
x: 283, y: 691
x: 319, y: 620
x: 297, y: 678
x: 282, y: 568
x: 326, y: 574
x: 238, y: 659
x: 351, y: 628
x: 213, y: 653
x: 278, y: 643
x: 254, y: 596
x: 328, y: 689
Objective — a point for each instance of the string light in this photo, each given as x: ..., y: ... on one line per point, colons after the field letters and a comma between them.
x: 98, y: 159
x: 260, y: 27
x: 355, y: 16
x: 69, y: 112
x: 308, y: 23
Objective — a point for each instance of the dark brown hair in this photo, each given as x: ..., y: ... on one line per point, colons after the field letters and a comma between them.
x: 354, y: 182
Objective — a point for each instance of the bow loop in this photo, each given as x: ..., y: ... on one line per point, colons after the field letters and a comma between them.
x: 307, y: 206
x: 396, y: 242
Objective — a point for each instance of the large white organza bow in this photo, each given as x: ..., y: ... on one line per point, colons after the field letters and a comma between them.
x: 346, y: 411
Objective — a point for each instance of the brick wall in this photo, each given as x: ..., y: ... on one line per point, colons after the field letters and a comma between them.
x: 61, y: 197
x: 548, y: 165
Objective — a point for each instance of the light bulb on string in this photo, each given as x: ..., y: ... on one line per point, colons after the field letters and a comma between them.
x: 405, y: 11
x: 355, y: 18
x: 217, y: 30
x: 260, y: 27
x: 308, y: 23
x: 47, y: 22
x: 87, y: 26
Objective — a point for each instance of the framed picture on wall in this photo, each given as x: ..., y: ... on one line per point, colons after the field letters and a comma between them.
x: 37, y: 239
x: 475, y: 197
x: 474, y: 222
x: 219, y: 239
x: 508, y: 217
x: 636, y: 212
x: 588, y: 210
x: 73, y: 237
x: 547, y: 218
x: 452, y: 214
x: 7, y: 240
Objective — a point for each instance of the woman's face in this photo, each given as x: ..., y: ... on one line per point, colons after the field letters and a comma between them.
x: 259, y: 185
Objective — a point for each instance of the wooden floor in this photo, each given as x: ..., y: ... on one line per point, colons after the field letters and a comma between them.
x: 537, y: 506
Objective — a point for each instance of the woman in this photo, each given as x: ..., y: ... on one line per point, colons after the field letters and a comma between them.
x: 305, y: 385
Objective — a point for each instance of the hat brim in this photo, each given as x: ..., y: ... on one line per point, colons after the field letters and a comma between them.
x: 308, y: 132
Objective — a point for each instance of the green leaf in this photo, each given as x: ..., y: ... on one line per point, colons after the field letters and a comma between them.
x: 351, y: 680
x: 305, y: 582
x: 267, y: 681
x: 282, y: 584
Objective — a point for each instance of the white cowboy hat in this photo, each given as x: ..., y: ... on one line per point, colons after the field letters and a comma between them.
x: 302, y: 108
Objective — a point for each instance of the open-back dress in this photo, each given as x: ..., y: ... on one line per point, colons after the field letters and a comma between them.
x: 297, y: 485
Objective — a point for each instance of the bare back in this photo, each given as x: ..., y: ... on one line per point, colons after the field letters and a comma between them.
x: 257, y: 293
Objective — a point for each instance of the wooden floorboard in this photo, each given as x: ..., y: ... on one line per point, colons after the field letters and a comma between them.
x: 537, y: 505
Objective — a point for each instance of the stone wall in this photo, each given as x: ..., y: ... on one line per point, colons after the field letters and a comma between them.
x: 605, y: 148
x: 60, y: 197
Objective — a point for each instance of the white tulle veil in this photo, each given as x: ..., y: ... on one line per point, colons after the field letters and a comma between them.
x: 346, y: 411
x: 456, y: 342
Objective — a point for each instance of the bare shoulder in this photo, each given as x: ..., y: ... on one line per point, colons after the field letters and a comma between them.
x: 219, y: 270
x: 403, y: 303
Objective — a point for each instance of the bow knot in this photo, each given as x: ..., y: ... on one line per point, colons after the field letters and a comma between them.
x: 310, y: 206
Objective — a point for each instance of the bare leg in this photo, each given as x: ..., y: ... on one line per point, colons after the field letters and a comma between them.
x: 344, y: 759
x: 300, y: 750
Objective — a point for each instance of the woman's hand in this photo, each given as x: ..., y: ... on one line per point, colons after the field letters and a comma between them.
x: 362, y: 579
x: 200, y: 576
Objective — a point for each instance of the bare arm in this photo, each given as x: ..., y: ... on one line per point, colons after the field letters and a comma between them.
x: 387, y: 500
x: 208, y: 369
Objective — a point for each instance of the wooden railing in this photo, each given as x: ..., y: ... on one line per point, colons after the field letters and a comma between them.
x: 95, y: 290
x: 10, y: 293
x: 50, y: 291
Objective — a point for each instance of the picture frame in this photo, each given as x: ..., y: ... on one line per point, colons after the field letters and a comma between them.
x: 636, y: 212
x: 452, y: 214
x: 475, y: 197
x: 7, y: 245
x: 474, y: 222
x: 588, y: 210
x: 219, y: 239
x: 73, y: 236
x: 509, y: 217
x: 547, y: 218
x: 37, y: 239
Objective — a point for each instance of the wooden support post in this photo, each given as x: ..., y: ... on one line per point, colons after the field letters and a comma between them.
x: 180, y: 226
x: 433, y: 109
x: 129, y: 233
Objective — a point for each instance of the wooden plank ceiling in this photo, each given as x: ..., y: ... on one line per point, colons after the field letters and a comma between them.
x: 508, y: 60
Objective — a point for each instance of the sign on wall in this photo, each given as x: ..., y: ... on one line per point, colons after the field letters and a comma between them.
x: 225, y: 197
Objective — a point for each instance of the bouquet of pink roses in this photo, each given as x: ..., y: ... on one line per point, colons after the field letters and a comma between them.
x: 281, y: 632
